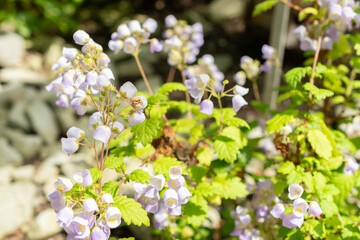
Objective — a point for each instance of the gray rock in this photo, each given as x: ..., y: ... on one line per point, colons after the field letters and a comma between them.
x: 12, y: 49
x: 16, y: 206
x: 9, y: 155
x: 23, y: 173
x: 22, y: 75
x: 44, y: 226
x: 17, y: 115
x: 5, y: 174
x: 11, y: 92
x: 43, y: 121
x: 45, y: 172
x: 27, y: 144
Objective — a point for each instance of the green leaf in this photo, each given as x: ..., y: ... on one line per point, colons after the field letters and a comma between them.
x: 229, y: 187
x: 309, y: 181
x: 319, y: 94
x: 131, y: 211
x: 197, y: 173
x: 204, y: 155
x: 96, y: 174
x: 319, y: 181
x: 295, y: 235
x: 170, y: 87
x: 263, y: 7
x: 320, y: 143
x: 156, y: 99
x: 329, y: 207
x: 117, y: 163
x: 196, y: 211
x: 306, y: 11
x: 111, y: 187
x: 162, y: 165
x: 290, y: 94
x: 227, y: 148
x: 295, y: 176
x: 206, y: 189
x: 148, y: 130
x: 139, y: 175
x: 340, y: 48
x: 281, y: 119
x: 184, y: 125
x: 350, y: 232
x: 286, y: 167
x: 344, y: 183
x: 315, y: 228
x: 294, y: 76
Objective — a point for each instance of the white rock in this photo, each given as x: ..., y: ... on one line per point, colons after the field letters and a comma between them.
x: 12, y: 49
x: 23, y: 173
x: 44, y: 226
x: 22, y: 75
x: 17, y: 115
x: 9, y: 155
x: 5, y: 174
x: 45, y: 172
x: 43, y: 121
x: 16, y: 206
x: 11, y: 92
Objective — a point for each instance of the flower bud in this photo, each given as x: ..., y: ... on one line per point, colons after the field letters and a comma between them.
x: 81, y: 37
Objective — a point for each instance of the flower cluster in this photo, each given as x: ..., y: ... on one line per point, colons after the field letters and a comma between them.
x: 202, y: 83
x: 269, y: 54
x: 129, y: 36
x: 351, y: 166
x: 251, y: 69
x: 341, y: 15
x: 182, y: 41
x: 242, y: 221
x: 95, y: 216
x: 177, y: 194
x: 300, y: 207
x: 79, y: 74
x: 206, y: 65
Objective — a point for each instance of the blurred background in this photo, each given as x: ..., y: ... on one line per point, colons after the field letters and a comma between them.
x: 32, y: 35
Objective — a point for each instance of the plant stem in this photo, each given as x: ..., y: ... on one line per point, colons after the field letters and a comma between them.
x: 256, y: 91
x: 187, y: 95
x: 171, y: 75
x: 136, y: 56
x: 316, y: 58
x: 221, y: 114
x: 296, y: 7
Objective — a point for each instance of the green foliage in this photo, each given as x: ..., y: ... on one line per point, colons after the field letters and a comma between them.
x: 111, y: 187
x: 156, y: 99
x: 320, y: 143
x: 96, y: 174
x: 148, y: 130
x: 116, y: 163
x: 196, y: 211
x: 162, y: 165
x: 319, y: 94
x: 204, y: 155
x: 131, y: 211
x: 263, y: 7
x: 294, y: 76
x: 171, y: 87
x: 139, y: 175
x: 280, y: 120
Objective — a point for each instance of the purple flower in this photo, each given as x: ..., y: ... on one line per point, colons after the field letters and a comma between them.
x: 78, y: 228
x: 176, y: 183
x: 314, y: 209
x: 128, y: 90
x: 262, y: 211
x: 158, y: 182
x: 91, y: 78
x: 238, y: 102
x: 335, y: 11
x: 129, y: 45
x: 81, y: 37
x: 150, y: 25
x: 104, y: 227
x: 299, y: 32
x: 98, y: 234
x: 107, y: 73
x: 239, y: 90
x: 292, y: 221
x: 183, y: 195
x: 295, y: 191
x: 113, y: 217
x: 333, y: 33
x: 171, y: 198
x: 123, y: 31
x: 267, y: 51
x: 63, y: 184
x: 140, y: 189
x: 170, y: 20
x: 156, y: 46
x: 107, y: 198
x: 151, y: 206
x: 207, y: 107
x: 75, y: 132
x: 152, y: 193
x: 326, y: 44
x: 89, y: 207
x: 69, y: 53
x: 176, y: 211
x: 278, y: 210
x: 102, y: 134
x: 308, y: 44
x: 300, y: 207
x: 134, y: 26
x: 57, y: 200
x: 240, y: 78
x: 135, y: 117
x: 175, y: 172
x: 63, y: 101
x: 350, y: 166
x: 83, y: 178
x: 347, y: 14
x: 65, y: 216
x: 266, y: 67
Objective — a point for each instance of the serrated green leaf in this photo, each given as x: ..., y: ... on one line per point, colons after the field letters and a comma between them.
x: 263, y: 7
x: 204, y: 155
x: 96, y: 174
x: 344, y: 184
x: 290, y: 94
x: 340, y: 48
x: 162, y: 165
x: 309, y: 181
x: 306, y: 11
x: 170, y: 87
x: 319, y: 181
x: 139, y: 175
x: 329, y: 207
x: 315, y: 228
x: 117, y: 163
x: 197, y: 173
x: 156, y: 99
x: 131, y: 211
x: 294, y: 76
x: 295, y: 176
x: 350, y: 232
x: 281, y: 119
x: 319, y: 94
x: 184, y: 125
x: 229, y: 187
x: 196, y: 211
x: 206, y: 189
x: 286, y: 167
x: 320, y: 143
x: 295, y: 235
x: 148, y: 130
x: 111, y: 187
x: 227, y: 148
